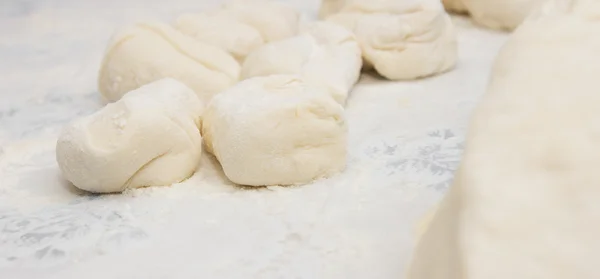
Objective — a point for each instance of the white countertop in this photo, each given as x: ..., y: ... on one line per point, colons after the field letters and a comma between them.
x: 406, y: 139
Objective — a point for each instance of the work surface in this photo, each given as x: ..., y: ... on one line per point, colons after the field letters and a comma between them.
x: 405, y: 141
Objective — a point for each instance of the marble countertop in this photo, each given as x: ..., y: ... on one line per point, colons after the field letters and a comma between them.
x: 406, y: 139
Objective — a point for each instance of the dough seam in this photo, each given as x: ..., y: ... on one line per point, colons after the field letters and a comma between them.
x: 182, y: 51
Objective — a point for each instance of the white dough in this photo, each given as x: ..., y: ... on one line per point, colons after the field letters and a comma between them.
x: 276, y: 130
x: 274, y: 20
x: 150, y: 137
x: 524, y: 203
x: 500, y: 14
x: 329, y: 7
x: 146, y: 52
x: 402, y: 40
x: 324, y: 54
x: 223, y: 31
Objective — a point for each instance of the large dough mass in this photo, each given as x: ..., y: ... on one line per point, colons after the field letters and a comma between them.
x: 276, y: 130
x: 150, y: 137
x: 524, y: 203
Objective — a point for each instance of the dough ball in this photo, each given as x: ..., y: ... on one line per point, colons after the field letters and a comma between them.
x: 402, y: 40
x: 146, y: 52
x: 324, y: 55
x: 524, y: 201
x: 455, y: 6
x: 500, y: 14
x: 276, y: 130
x: 274, y: 20
x: 150, y: 137
x: 222, y: 31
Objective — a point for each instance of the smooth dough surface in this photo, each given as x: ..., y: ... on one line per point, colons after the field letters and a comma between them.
x: 276, y: 130
x: 524, y: 201
x: 150, y: 137
x: 221, y: 30
x: 273, y: 19
x: 324, y: 54
x: 402, y: 40
x: 455, y: 6
x: 500, y: 14
x: 145, y: 52
x: 329, y: 7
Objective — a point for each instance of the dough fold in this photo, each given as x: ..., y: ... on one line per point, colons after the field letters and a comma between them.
x: 150, y: 137
x: 401, y: 40
x: 149, y: 51
x: 324, y: 55
x: 276, y: 130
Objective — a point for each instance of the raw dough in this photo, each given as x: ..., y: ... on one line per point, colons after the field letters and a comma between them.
x: 274, y: 20
x: 329, y: 7
x: 146, y: 52
x: 524, y: 203
x: 223, y: 31
x: 500, y: 14
x: 149, y: 137
x: 455, y: 6
x: 403, y: 40
x: 276, y: 130
x: 325, y: 55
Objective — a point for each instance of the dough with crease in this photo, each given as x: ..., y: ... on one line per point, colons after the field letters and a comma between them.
x: 402, y: 40
x: 276, y: 130
x: 223, y: 31
x: 145, y: 52
x: 524, y: 201
x: 324, y: 54
x: 272, y: 19
x: 150, y: 137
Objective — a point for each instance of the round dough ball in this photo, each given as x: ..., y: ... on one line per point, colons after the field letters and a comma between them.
x: 402, y: 40
x: 220, y: 30
x: 325, y: 55
x: 500, y: 14
x: 274, y: 20
x: 146, y: 52
x: 455, y: 6
x: 276, y: 130
x: 150, y: 137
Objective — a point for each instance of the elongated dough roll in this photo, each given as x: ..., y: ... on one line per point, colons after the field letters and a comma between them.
x: 524, y: 201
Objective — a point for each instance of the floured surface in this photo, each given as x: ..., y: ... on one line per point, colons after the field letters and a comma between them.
x: 405, y: 141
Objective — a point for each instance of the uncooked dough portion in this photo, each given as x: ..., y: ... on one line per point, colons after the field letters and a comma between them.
x: 146, y: 52
x: 276, y: 130
x: 324, y: 54
x: 223, y: 31
x: 150, y: 137
x: 524, y: 202
x: 274, y: 20
x: 402, y: 40
x: 500, y: 14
